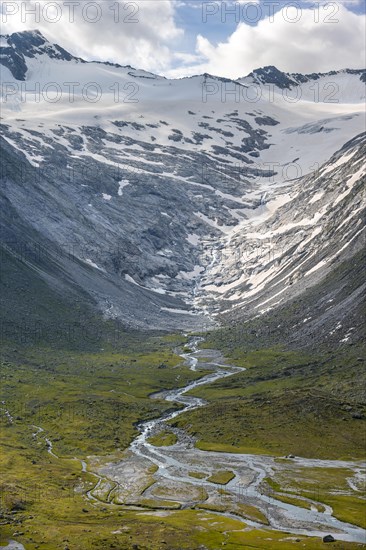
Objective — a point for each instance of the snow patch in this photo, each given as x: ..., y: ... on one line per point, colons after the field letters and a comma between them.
x: 92, y: 264
x: 122, y: 184
x: 316, y: 197
x: 193, y: 239
x: 180, y: 311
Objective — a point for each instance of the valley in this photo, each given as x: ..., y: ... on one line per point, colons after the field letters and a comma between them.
x: 114, y: 475
x: 182, y: 292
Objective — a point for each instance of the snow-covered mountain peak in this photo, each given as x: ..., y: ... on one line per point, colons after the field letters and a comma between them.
x: 16, y: 50
x: 151, y: 177
x: 283, y: 80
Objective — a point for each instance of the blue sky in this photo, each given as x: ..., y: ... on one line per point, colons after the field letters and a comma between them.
x: 221, y: 21
x: 218, y: 20
x: 229, y: 38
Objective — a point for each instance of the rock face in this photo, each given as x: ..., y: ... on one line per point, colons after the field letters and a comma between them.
x: 271, y: 75
x: 17, y: 49
x: 273, y: 257
x: 177, y: 202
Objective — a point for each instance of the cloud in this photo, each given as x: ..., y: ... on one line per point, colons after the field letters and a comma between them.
x: 145, y: 33
x: 128, y: 32
x: 344, y: 2
x: 294, y: 40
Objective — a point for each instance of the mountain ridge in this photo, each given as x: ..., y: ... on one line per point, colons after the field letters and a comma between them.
x: 30, y: 43
x: 149, y: 187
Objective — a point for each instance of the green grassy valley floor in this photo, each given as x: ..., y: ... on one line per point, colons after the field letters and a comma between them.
x: 289, y: 403
x: 89, y: 403
x: 285, y: 402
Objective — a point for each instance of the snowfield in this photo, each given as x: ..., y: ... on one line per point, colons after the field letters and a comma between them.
x: 181, y: 187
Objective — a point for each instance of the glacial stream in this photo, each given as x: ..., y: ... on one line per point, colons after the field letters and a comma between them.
x: 175, y: 463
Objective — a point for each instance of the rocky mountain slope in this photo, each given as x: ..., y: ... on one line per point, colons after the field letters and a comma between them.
x: 177, y: 202
x: 273, y: 257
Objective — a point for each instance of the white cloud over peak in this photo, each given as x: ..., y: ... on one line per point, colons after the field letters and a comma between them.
x: 294, y: 40
x: 139, y: 33
x: 147, y: 35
